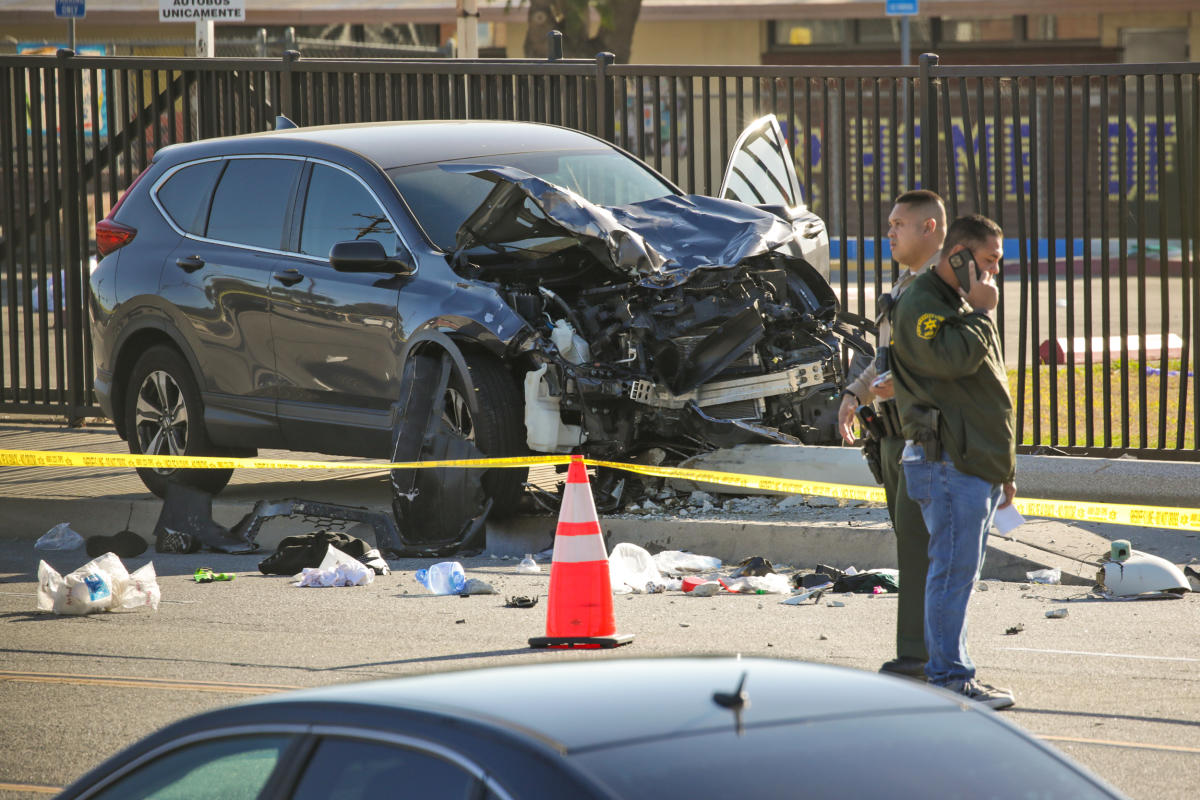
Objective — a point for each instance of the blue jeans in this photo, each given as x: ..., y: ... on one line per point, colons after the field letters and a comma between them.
x: 958, y: 510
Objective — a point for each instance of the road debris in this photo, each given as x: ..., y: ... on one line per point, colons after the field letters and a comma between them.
x: 1140, y: 574
x: 336, y: 569
x: 1045, y: 576
x: 476, y: 586
x: 102, y: 584
x: 60, y: 537
x: 206, y: 575
x: 445, y: 577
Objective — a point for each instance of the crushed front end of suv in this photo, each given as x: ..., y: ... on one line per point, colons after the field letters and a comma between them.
x: 420, y: 291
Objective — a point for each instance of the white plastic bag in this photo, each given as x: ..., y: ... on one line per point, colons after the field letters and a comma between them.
x: 142, y: 589
x: 677, y: 562
x: 99, y: 585
x: 1050, y: 576
x: 60, y: 537
x: 632, y: 568
x: 337, y: 569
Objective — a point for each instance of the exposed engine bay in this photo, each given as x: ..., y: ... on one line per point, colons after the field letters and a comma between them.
x: 688, y: 320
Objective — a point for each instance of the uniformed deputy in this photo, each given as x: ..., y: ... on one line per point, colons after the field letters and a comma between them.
x: 916, y: 228
x: 957, y: 417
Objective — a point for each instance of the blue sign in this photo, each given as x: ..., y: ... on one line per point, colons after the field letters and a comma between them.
x: 69, y: 9
x: 893, y: 8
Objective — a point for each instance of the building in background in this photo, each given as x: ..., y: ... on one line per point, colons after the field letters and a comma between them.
x: 668, y: 32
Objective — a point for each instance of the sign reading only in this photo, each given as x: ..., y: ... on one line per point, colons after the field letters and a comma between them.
x: 199, y: 10
x: 69, y: 9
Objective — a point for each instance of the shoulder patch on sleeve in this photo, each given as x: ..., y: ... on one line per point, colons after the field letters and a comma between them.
x: 928, y: 324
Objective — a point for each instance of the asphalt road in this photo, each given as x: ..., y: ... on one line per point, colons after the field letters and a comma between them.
x: 1116, y: 685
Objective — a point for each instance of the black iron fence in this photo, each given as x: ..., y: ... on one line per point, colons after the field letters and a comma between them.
x: 1093, y: 171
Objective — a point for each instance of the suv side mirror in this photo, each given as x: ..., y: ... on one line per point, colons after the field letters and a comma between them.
x: 366, y: 255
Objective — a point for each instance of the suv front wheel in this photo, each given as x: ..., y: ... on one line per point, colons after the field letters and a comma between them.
x: 164, y: 416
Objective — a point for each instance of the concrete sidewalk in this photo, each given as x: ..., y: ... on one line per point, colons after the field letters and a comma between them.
x: 784, y: 530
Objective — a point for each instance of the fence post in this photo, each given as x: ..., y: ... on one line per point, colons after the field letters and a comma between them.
x: 605, y: 117
x: 287, y: 85
x: 929, y: 123
x: 72, y: 381
x: 554, y: 46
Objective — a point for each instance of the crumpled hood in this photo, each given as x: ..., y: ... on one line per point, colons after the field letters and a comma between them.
x: 660, y: 241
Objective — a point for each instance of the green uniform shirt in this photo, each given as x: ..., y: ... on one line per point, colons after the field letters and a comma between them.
x: 946, y: 357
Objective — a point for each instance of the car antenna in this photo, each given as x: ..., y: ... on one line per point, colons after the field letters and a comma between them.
x: 737, y: 702
x: 283, y: 123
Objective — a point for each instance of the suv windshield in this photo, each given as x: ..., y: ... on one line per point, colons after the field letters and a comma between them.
x: 441, y: 201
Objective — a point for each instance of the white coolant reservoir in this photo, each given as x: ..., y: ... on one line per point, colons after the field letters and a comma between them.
x: 574, y: 348
x: 545, y: 432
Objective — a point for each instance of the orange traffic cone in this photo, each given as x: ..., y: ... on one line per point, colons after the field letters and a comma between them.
x: 580, y: 610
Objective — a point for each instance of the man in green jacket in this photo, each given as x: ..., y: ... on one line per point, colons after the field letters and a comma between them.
x: 957, y: 417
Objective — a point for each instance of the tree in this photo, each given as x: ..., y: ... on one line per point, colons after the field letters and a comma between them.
x: 572, y: 17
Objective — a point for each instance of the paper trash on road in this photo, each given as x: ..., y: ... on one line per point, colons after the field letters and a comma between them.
x: 337, y: 569
x: 102, y: 584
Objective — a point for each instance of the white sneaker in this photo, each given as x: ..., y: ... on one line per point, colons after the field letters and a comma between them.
x: 990, y: 696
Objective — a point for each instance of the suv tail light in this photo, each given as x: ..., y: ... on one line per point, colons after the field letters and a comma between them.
x: 112, y: 235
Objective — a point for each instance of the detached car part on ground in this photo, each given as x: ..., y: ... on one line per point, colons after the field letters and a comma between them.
x: 462, y: 290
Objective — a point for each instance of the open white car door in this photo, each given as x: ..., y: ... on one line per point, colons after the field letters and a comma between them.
x: 761, y: 173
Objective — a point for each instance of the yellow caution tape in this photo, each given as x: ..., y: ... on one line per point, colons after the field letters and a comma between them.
x: 789, y: 485
x: 50, y: 458
x: 1187, y: 519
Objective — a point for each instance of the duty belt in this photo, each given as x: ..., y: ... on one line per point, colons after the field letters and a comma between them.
x: 889, y: 414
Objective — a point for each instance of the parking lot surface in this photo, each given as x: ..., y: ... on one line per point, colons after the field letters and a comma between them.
x: 1115, y: 684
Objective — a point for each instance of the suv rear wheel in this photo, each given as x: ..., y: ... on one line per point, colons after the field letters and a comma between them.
x: 164, y: 416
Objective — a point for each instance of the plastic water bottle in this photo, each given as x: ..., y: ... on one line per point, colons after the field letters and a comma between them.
x: 445, y: 577
x: 528, y: 566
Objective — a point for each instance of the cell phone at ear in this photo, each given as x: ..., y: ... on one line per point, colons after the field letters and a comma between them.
x: 961, y: 263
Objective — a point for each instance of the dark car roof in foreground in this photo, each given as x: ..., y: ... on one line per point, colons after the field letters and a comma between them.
x: 398, y: 144
x: 652, y: 697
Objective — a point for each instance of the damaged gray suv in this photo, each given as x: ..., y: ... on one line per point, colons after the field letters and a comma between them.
x: 430, y: 290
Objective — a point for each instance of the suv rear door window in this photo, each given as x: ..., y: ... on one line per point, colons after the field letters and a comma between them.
x: 185, y: 194
x: 339, y: 209
x: 251, y: 201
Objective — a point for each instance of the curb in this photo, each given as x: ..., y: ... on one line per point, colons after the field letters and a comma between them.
x: 862, y: 543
